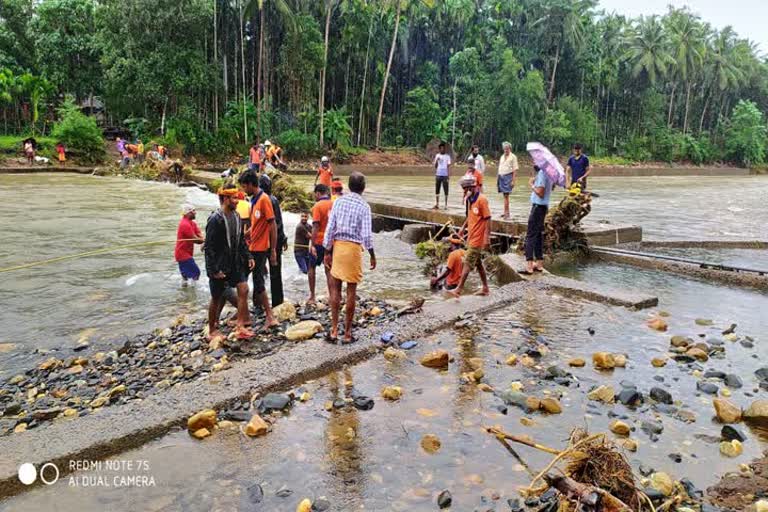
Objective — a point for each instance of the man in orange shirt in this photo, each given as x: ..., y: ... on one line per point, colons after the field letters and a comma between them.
x: 255, y: 157
x: 337, y: 189
x: 262, y: 241
x: 320, y: 214
x: 452, y: 272
x: 324, y: 172
x: 478, y: 230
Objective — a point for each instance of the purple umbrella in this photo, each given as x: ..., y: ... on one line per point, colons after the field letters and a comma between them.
x: 547, y: 162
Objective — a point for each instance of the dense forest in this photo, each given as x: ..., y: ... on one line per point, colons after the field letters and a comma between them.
x: 212, y: 75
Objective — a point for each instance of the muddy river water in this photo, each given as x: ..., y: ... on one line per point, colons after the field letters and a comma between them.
x: 372, y: 459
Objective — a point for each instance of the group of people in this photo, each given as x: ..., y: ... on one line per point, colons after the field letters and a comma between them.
x: 29, y: 147
x: 476, y: 231
x: 136, y: 152
x: 263, y: 154
x: 245, y: 237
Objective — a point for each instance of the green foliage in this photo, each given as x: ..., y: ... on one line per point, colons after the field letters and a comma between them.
x: 745, y: 134
x: 584, y: 124
x: 297, y: 144
x: 421, y: 115
x: 337, y: 130
x: 79, y: 133
x: 557, y: 130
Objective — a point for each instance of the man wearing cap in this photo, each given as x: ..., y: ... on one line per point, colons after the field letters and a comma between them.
x: 324, y: 172
x: 337, y: 189
x: 187, y: 235
x: 262, y: 242
x: 478, y: 230
x: 227, y: 262
x: 472, y: 172
x: 453, y: 267
x: 275, y: 269
x: 274, y: 154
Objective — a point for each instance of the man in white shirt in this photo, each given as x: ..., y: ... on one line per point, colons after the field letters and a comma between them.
x: 479, y: 160
x: 505, y: 180
x: 442, y: 165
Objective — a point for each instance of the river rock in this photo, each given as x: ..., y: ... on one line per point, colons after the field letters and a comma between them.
x: 619, y: 428
x: 274, y: 402
x: 303, y: 330
x: 603, y: 361
x: 630, y: 397
x: 620, y: 360
x: 630, y: 445
x: 577, y: 362
x: 733, y: 381
x: 660, y: 395
x: 726, y: 411
x: 532, y: 403
x: 99, y: 402
x: 285, y: 311
x: 657, y: 324
x: 21, y: 427
x: 658, y: 362
x: 50, y: 364
x: 394, y: 354
x: 707, y: 387
x: 202, y: 419
x: 392, y: 393
x: 511, y: 360
x: 444, y: 499
x: 652, y: 427
x: 698, y: 354
x: 663, y: 483
x: 304, y: 506
x: 12, y: 409
x: 680, y: 341
x: 604, y: 394
x: 757, y: 413
x: 762, y: 373
x: 437, y: 359
x: 703, y: 322
x: 729, y: 433
x: 732, y: 448
x: 431, y: 443
x: 714, y: 374
x: 321, y: 505
x: 201, y: 433
x: 256, y: 427
x: 363, y: 403
x: 551, y: 406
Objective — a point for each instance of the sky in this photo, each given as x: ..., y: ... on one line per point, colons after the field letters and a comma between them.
x: 747, y: 17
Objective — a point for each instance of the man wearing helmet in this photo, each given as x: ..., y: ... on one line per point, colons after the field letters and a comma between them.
x: 324, y: 172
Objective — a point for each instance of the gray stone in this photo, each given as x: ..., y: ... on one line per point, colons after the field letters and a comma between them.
x: 729, y: 433
x: 444, y: 499
x: 274, y: 402
x: 714, y: 374
x: 762, y: 373
x: 661, y: 395
x: 707, y: 387
x: 320, y: 505
x: 629, y: 397
x: 733, y: 381
x: 652, y: 427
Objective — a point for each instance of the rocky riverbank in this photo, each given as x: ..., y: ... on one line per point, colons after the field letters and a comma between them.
x: 76, y: 381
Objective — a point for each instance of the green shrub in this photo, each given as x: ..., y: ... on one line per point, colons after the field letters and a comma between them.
x: 297, y: 144
x: 745, y: 134
x: 336, y: 128
x: 79, y: 133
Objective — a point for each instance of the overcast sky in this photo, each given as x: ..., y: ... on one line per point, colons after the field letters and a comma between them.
x: 748, y: 17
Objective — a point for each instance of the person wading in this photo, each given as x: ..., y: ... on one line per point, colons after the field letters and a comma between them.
x: 349, y: 231
x: 505, y: 181
x: 442, y: 165
x: 187, y: 235
x: 226, y: 263
x: 478, y: 230
x: 578, y: 167
x: 262, y: 242
x: 541, y: 188
x: 324, y: 174
x: 320, y: 214
x: 301, y: 240
x: 276, y: 270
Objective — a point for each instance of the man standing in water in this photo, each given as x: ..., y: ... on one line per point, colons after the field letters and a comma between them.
x: 505, y: 181
x: 320, y: 214
x: 226, y: 262
x: 187, y: 235
x: 541, y: 188
x: 349, y: 231
x: 442, y: 171
x: 478, y: 230
x: 262, y: 242
x: 578, y: 167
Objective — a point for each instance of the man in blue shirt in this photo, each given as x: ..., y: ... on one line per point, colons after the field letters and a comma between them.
x: 578, y: 167
x: 541, y: 188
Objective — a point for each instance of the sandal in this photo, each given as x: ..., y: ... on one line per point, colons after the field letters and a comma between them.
x: 333, y: 340
x: 345, y: 341
x: 244, y: 334
x: 525, y: 272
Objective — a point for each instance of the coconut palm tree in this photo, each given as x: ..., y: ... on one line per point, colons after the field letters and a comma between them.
x: 648, y: 49
x: 687, y: 38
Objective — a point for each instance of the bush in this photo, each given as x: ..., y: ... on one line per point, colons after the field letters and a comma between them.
x: 336, y: 128
x: 745, y: 134
x: 297, y: 144
x: 79, y: 133
x: 636, y: 148
x: 556, y: 130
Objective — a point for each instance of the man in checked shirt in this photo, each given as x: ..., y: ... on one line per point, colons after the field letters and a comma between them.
x: 347, y: 234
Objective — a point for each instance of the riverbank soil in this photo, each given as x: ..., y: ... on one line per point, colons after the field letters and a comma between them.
x: 737, y: 491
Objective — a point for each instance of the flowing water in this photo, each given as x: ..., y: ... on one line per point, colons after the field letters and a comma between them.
x: 372, y: 460
x: 103, y: 297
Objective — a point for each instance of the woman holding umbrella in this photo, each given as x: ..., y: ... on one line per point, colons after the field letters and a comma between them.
x: 549, y: 174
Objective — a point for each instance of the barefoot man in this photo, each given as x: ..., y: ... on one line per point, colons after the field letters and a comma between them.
x: 348, y: 233
x: 320, y: 214
x: 262, y: 242
x: 478, y: 231
x: 226, y: 263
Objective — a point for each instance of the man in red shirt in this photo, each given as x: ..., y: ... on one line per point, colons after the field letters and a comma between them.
x: 478, y: 231
x: 320, y: 215
x: 262, y: 241
x: 187, y: 235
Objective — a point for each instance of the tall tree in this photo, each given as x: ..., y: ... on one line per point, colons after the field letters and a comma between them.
x: 398, y: 5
